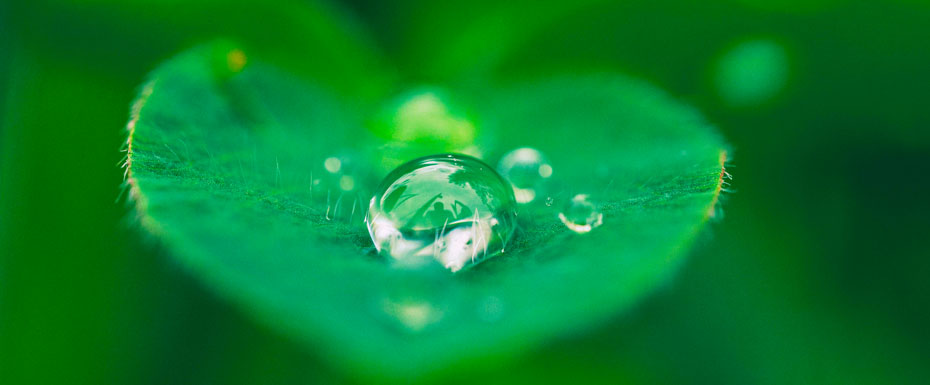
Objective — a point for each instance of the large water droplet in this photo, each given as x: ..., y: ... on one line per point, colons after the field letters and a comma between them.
x: 527, y: 170
x: 453, y: 209
x: 580, y: 215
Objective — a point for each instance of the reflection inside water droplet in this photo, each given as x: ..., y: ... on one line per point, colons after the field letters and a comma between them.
x: 580, y: 215
x: 453, y: 209
x: 527, y: 170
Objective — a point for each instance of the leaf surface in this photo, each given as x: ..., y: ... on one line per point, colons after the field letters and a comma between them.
x: 228, y: 167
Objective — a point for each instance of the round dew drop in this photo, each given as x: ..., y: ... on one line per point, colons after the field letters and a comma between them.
x: 580, y: 215
x: 449, y: 208
x: 527, y: 170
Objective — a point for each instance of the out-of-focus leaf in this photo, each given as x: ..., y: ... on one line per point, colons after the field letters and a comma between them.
x: 117, y: 36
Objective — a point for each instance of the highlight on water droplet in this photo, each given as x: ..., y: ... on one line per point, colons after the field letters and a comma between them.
x: 527, y: 170
x: 752, y: 72
x: 581, y: 215
x: 449, y: 208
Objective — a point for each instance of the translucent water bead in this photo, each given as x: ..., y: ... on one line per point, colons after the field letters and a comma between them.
x: 580, y: 215
x: 527, y: 170
x: 449, y: 208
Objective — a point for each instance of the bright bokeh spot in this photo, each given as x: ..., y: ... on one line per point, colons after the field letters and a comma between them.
x: 347, y: 183
x: 332, y: 164
x: 420, y: 122
x: 425, y: 117
x: 751, y: 73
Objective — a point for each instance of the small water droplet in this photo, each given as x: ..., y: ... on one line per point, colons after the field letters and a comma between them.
x: 580, y: 215
x: 527, y: 170
x: 549, y: 201
x: 453, y: 209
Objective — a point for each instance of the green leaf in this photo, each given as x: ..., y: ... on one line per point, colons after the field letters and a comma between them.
x: 227, y: 165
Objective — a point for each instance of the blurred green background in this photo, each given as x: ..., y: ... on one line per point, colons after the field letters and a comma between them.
x: 819, y: 272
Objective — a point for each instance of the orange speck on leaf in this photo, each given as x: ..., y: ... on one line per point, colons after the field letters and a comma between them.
x: 236, y: 60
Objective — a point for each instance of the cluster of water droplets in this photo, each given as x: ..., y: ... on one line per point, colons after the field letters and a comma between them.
x: 452, y: 208
x: 457, y: 211
x: 529, y: 172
